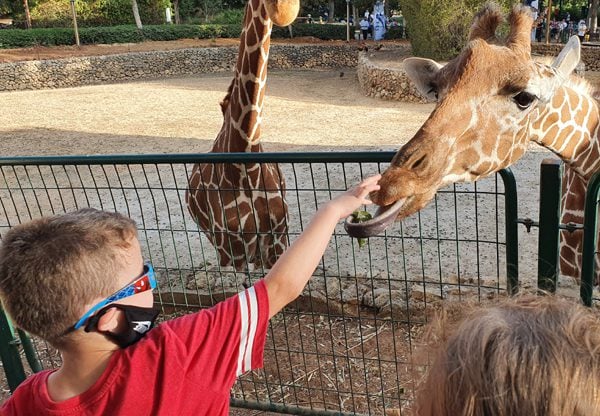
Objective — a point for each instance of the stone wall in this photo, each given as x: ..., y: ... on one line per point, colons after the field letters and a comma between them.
x: 590, y: 55
x: 379, y: 79
x: 381, y: 74
x: 79, y: 71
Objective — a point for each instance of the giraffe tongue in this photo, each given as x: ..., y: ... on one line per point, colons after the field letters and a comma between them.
x: 383, y: 218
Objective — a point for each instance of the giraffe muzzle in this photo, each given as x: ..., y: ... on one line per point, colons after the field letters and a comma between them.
x: 384, y: 217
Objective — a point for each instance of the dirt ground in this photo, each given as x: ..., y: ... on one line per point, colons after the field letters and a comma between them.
x: 317, y: 110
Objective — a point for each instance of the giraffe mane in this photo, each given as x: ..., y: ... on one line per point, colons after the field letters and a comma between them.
x: 225, y: 102
x: 583, y: 87
x: 486, y: 22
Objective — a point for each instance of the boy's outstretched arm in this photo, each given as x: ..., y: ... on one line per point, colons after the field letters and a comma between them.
x: 286, y: 280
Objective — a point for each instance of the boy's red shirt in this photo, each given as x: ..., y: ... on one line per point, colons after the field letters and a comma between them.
x: 185, y: 366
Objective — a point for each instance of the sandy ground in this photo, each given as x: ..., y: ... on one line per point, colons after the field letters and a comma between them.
x: 304, y: 111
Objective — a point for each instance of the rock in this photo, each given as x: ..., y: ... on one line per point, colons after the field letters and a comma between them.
x: 73, y: 72
x: 427, y: 293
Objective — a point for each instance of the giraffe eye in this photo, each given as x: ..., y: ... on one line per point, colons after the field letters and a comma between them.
x: 433, y: 90
x: 523, y: 100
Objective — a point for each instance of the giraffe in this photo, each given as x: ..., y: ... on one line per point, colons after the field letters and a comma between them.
x: 492, y: 101
x: 242, y: 207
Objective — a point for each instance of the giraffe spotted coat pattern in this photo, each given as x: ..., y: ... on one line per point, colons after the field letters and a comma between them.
x: 492, y: 101
x: 242, y: 207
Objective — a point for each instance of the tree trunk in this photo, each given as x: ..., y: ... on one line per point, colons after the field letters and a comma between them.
x: 331, y: 11
x: 176, y: 12
x: 27, y: 15
x: 136, y: 14
x: 593, y: 16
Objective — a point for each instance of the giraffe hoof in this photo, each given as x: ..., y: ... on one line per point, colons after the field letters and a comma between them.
x: 383, y: 218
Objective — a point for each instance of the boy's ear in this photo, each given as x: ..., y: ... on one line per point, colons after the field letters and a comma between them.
x: 109, y: 321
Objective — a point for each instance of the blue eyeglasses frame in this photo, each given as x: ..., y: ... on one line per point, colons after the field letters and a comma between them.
x: 146, y: 281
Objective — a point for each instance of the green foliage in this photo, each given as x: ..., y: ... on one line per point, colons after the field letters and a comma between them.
x: 207, y: 9
x: 57, y: 13
x: 573, y: 7
x: 361, y: 6
x: 117, y: 12
x: 396, y: 32
x: 325, y: 32
x: 19, y: 38
x: 172, y: 32
x: 229, y: 17
x: 52, y: 10
x: 5, y: 7
x: 187, y: 9
x: 439, y: 28
x: 361, y: 216
x: 108, y: 35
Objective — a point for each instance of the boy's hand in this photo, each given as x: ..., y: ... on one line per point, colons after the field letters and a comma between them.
x: 289, y: 275
x: 348, y: 202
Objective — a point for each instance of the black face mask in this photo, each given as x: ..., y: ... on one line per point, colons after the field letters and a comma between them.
x: 139, y: 321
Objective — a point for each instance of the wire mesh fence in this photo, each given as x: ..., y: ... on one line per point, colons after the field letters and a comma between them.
x: 348, y: 344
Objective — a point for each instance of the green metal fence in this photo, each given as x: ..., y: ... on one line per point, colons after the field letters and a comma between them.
x: 550, y: 226
x: 590, y: 240
x: 347, y: 345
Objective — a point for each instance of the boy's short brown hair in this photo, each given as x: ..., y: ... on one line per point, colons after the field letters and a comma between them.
x: 532, y: 355
x: 51, y: 267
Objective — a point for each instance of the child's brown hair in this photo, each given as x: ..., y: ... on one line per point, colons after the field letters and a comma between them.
x: 51, y: 267
x: 532, y: 355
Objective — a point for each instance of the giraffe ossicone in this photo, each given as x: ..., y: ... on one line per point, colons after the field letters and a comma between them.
x: 242, y: 207
x: 493, y: 99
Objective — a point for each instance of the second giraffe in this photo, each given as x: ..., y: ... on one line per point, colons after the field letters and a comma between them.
x: 242, y: 207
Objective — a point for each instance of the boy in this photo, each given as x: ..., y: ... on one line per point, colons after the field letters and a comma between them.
x: 78, y: 281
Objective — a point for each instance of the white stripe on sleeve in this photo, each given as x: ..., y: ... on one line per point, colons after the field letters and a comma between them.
x: 253, y: 324
x: 243, y: 332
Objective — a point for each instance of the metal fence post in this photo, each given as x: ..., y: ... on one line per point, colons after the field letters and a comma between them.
x: 512, y: 235
x: 548, y: 238
x: 30, y: 353
x: 9, y: 353
x: 590, y: 237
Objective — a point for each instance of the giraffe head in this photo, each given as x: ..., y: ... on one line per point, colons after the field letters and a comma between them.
x: 282, y: 12
x: 487, y: 99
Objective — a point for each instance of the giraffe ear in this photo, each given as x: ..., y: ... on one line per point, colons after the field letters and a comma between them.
x: 423, y: 72
x: 568, y: 58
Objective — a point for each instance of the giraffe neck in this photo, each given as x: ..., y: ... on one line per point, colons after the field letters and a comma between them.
x: 242, y: 107
x: 568, y: 126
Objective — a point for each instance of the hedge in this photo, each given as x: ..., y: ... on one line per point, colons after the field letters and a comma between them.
x: 20, y: 38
